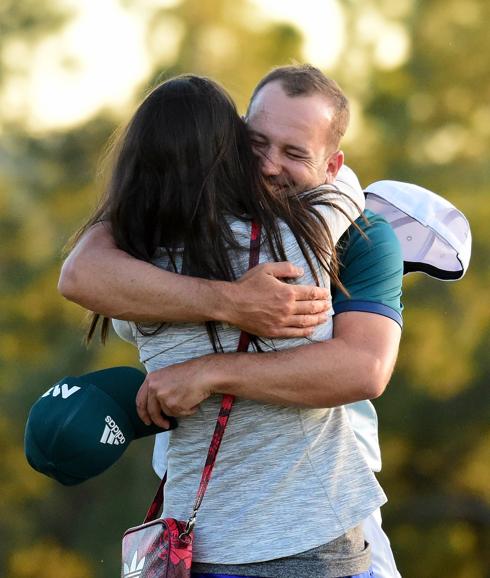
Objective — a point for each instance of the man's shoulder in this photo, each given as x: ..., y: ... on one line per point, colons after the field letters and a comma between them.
x: 373, y: 225
x: 371, y: 268
x: 371, y: 235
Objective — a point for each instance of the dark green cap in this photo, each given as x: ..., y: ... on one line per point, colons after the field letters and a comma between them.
x: 82, y: 425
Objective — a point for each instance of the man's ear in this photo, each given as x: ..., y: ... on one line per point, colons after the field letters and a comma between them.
x: 333, y: 166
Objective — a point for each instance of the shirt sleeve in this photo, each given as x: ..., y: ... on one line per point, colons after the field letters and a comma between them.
x: 371, y: 270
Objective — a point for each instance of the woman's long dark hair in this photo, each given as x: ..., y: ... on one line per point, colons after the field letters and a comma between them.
x: 182, y: 165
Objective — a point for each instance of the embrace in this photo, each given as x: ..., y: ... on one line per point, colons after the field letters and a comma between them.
x: 293, y: 493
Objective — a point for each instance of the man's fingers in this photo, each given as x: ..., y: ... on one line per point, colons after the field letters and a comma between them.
x: 310, y: 293
x: 155, y: 412
x: 188, y: 412
x: 307, y: 320
x: 298, y: 326
x: 288, y: 332
x: 282, y: 269
x: 301, y: 321
x: 141, y: 402
x: 163, y: 422
x: 311, y: 307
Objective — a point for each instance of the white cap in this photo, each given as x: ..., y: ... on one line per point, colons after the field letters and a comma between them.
x: 435, y: 236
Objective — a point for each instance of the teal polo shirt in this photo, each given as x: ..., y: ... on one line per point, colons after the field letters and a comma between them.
x: 371, y: 270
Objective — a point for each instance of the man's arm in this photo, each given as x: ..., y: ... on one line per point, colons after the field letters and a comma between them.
x: 102, y: 278
x: 355, y: 365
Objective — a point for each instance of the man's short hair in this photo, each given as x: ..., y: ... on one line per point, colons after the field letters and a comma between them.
x: 305, y: 80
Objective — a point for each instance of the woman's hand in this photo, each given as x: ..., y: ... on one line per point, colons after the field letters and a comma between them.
x: 176, y: 390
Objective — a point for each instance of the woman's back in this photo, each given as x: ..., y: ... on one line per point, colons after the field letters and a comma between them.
x: 184, y: 175
x: 274, y: 460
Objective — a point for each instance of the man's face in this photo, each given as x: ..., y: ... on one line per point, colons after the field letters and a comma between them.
x: 291, y: 137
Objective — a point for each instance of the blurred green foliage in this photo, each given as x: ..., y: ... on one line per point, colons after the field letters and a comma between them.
x: 425, y: 119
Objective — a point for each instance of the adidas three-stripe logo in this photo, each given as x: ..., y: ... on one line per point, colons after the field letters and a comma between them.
x: 112, y: 435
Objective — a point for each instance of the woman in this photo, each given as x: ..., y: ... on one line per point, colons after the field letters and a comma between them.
x: 184, y: 190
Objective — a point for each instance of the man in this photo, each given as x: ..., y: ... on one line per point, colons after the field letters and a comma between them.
x: 296, y: 118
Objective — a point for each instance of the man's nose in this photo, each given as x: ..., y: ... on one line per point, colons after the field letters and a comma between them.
x: 270, y: 165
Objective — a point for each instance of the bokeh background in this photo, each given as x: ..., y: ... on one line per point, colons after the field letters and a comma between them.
x: 418, y: 75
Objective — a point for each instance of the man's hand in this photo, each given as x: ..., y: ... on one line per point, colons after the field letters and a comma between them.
x: 100, y: 277
x: 262, y: 304
x: 176, y: 390
x: 355, y: 365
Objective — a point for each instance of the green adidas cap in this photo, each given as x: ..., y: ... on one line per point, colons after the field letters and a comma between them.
x: 82, y: 425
